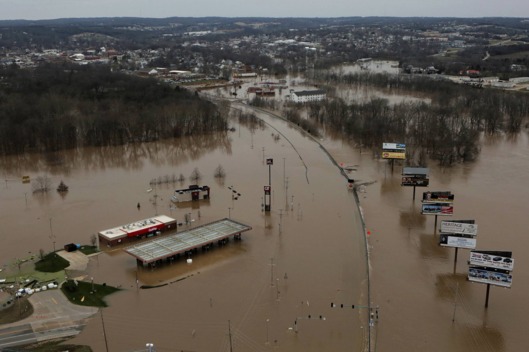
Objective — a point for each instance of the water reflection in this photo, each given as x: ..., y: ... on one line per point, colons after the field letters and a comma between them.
x: 412, y: 217
x: 483, y: 337
x: 130, y: 157
x: 451, y: 287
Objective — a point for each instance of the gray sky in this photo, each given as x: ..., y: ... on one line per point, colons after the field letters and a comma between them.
x: 49, y: 9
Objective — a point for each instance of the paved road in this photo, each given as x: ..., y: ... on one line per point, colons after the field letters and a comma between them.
x: 53, y: 317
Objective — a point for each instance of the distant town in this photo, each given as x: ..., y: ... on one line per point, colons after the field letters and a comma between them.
x: 183, y: 51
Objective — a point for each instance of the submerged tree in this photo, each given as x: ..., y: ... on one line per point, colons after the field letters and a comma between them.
x: 181, y: 178
x: 219, y: 172
x: 195, y: 175
x: 42, y: 184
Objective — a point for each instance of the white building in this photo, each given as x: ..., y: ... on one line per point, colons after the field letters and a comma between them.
x: 306, y: 96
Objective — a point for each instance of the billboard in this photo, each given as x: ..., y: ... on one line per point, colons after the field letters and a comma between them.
x: 394, y: 146
x: 491, y: 277
x: 437, y: 209
x: 492, y: 259
x: 415, y: 181
x: 393, y: 151
x: 393, y: 155
x: 436, y: 197
x: 446, y: 240
x: 463, y: 227
x: 415, y: 171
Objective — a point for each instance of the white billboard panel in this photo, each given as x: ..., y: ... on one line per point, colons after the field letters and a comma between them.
x: 457, y: 242
x: 394, y: 146
x: 484, y: 276
x: 491, y: 261
x: 459, y: 227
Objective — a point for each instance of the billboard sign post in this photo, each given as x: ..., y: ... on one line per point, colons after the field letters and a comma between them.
x: 492, y: 268
x: 437, y: 203
x: 415, y: 177
x: 462, y: 227
x: 393, y: 151
x: 458, y: 234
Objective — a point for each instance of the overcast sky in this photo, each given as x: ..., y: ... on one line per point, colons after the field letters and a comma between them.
x: 50, y: 9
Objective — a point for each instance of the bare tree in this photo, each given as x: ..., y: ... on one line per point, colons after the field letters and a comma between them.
x: 181, y: 178
x: 195, y: 175
x: 93, y: 240
x: 42, y: 184
x: 219, y: 172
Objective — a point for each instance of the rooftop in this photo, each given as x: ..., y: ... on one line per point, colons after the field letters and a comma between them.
x: 168, y: 246
x: 123, y: 230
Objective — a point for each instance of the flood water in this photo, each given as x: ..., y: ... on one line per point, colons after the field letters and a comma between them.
x: 424, y: 304
x: 291, y: 266
x: 308, y: 253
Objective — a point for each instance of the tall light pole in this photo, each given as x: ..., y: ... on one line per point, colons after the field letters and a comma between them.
x: 269, y: 162
x: 52, y: 236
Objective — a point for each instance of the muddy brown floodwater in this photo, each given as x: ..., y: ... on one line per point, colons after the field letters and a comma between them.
x: 273, y: 290
x: 424, y: 304
x: 257, y: 294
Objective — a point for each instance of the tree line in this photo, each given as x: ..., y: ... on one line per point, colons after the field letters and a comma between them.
x: 448, y: 129
x: 55, y: 107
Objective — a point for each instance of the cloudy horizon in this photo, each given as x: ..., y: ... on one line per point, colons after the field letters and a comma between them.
x: 53, y: 9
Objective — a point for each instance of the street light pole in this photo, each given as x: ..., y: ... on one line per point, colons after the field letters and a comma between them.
x: 52, y: 236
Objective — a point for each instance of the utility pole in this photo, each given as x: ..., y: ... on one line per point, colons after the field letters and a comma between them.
x: 229, y: 333
x: 284, y: 172
x: 272, y: 271
x: 104, y: 331
x: 280, y: 219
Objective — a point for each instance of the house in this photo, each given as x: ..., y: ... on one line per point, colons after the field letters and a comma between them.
x: 306, y: 96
